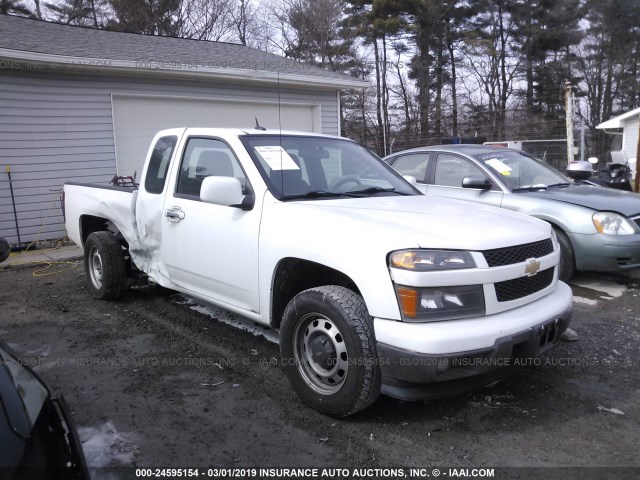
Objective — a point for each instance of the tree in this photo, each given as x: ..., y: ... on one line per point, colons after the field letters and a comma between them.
x: 605, y: 60
x: 546, y: 32
x: 493, y: 61
x: 14, y: 7
x: 313, y: 34
x: 152, y: 17
x: 90, y: 13
x: 205, y: 20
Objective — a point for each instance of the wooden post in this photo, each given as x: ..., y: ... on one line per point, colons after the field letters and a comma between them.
x: 568, y: 103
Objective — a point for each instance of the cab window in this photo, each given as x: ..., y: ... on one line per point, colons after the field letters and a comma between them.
x: 205, y: 157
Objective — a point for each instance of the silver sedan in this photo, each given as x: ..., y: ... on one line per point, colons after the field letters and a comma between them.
x: 598, y: 228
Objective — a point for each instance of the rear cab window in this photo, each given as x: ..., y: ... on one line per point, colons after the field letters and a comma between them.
x: 156, y: 176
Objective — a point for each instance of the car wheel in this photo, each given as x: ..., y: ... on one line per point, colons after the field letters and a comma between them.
x: 5, y: 250
x: 105, y: 266
x: 328, y: 348
x: 567, y: 266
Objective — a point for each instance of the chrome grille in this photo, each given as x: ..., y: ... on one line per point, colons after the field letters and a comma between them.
x: 523, y: 286
x: 520, y: 253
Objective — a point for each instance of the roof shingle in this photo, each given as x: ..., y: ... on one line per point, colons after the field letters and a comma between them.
x: 19, y: 34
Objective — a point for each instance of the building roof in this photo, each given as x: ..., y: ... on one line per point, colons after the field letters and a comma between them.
x: 620, y: 120
x: 79, y: 48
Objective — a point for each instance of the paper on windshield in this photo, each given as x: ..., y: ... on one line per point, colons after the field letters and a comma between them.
x: 277, y: 158
x: 499, y: 166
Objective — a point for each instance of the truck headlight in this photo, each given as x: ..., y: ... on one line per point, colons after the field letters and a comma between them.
x: 429, y: 260
x: 440, y: 303
x: 611, y: 223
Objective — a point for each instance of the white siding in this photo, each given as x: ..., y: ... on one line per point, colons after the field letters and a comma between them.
x: 56, y: 128
x: 630, y: 138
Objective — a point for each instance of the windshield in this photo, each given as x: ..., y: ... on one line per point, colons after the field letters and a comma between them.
x: 296, y: 167
x: 520, y: 171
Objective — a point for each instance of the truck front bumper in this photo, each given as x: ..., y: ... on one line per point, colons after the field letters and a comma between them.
x: 411, y: 375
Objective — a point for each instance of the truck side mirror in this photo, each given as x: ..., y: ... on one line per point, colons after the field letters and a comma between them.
x: 477, y: 181
x: 411, y: 179
x: 225, y: 191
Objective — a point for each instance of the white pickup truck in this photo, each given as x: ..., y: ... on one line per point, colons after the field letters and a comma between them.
x: 373, y: 286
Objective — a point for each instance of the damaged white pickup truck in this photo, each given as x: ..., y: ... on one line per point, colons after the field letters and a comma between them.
x: 372, y: 286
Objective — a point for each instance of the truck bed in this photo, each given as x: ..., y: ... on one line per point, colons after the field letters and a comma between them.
x: 103, y: 201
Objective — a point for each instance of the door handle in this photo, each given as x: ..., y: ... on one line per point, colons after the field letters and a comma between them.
x: 175, y: 214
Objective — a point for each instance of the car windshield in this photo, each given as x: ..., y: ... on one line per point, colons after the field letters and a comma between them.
x: 298, y: 167
x: 521, y: 172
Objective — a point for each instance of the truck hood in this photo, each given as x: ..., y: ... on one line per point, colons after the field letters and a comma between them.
x: 423, y: 221
x: 596, y: 198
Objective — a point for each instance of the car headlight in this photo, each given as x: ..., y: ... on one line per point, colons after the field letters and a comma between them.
x: 611, y: 223
x: 429, y: 260
x: 432, y: 304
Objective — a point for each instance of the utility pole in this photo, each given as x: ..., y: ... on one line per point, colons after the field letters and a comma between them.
x: 636, y: 182
x: 568, y: 103
x: 583, y: 144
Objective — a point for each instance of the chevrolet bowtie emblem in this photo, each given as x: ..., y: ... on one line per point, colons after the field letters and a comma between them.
x: 532, y: 266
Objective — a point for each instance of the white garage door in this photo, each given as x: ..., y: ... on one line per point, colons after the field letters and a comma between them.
x: 136, y: 119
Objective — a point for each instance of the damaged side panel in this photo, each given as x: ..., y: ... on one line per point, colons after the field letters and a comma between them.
x: 120, y: 211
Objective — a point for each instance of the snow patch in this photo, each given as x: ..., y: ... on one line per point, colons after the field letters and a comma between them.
x: 611, y: 289
x: 588, y: 301
x: 104, y: 446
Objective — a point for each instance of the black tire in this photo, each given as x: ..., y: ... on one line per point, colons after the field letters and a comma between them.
x: 342, y: 375
x: 5, y: 250
x: 567, y: 265
x: 105, y: 265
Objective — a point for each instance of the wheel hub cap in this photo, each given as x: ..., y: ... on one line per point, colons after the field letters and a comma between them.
x: 321, y: 353
x: 96, y: 268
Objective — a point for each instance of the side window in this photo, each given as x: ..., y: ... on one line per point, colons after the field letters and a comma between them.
x: 451, y: 170
x: 206, y: 157
x: 414, y: 164
x: 159, y: 164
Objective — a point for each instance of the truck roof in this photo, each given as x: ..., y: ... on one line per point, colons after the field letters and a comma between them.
x: 250, y: 131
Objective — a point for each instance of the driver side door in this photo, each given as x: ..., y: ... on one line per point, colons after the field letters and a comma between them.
x: 211, y: 250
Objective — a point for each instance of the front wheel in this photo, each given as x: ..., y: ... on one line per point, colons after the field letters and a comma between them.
x: 328, y: 347
x: 567, y: 266
x: 105, y: 265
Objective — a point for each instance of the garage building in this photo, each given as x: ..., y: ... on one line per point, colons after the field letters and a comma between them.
x: 79, y: 104
x: 626, y: 125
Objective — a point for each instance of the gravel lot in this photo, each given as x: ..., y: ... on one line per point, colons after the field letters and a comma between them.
x: 154, y: 380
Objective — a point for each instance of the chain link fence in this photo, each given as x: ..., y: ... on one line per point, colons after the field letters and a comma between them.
x: 553, y: 152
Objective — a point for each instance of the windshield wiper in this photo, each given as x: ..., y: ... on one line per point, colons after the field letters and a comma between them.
x: 563, y: 184
x: 376, y: 190
x: 318, y: 194
x: 530, y: 188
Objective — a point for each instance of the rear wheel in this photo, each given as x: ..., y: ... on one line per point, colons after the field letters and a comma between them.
x: 105, y: 265
x: 567, y: 266
x: 328, y: 347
